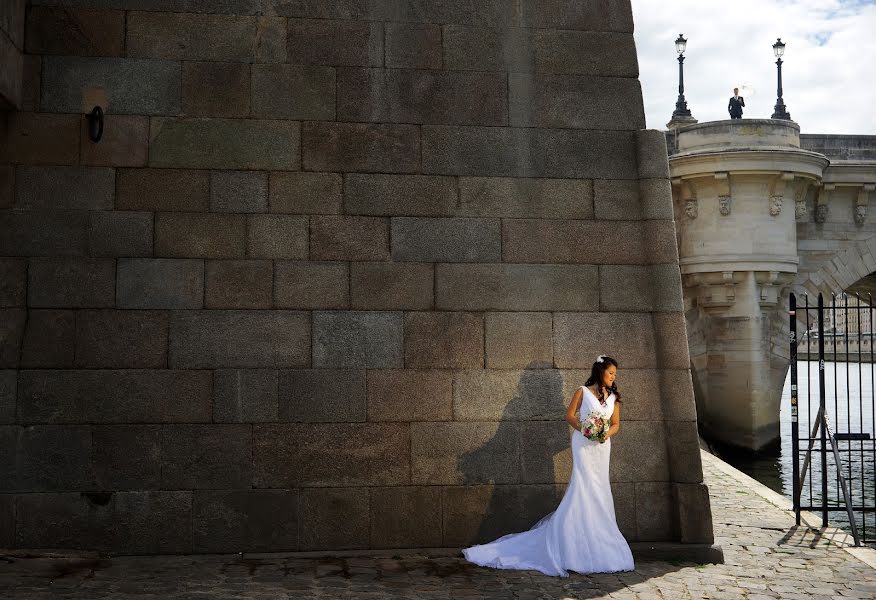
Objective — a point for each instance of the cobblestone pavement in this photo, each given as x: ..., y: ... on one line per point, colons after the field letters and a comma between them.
x: 766, y: 557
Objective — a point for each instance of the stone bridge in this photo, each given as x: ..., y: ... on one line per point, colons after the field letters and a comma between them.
x: 762, y: 211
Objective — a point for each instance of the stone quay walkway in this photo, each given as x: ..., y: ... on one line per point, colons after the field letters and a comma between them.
x: 766, y: 556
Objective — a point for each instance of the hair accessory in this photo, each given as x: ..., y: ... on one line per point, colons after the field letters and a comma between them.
x: 600, y: 357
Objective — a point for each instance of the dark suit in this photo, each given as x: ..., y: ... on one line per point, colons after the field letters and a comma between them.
x: 735, y: 107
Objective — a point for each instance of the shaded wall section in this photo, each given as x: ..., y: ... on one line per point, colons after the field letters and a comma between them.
x: 331, y: 276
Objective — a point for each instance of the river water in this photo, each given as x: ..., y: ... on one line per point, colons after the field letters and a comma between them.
x: 855, y: 415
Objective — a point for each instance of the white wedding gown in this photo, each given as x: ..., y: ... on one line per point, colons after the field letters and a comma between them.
x: 581, y: 535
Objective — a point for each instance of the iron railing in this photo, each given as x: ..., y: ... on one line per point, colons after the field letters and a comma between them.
x: 853, y: 449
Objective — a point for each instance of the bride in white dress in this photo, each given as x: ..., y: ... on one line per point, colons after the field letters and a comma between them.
x: 581, y: 535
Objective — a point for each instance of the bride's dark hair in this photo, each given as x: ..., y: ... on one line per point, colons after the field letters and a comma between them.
x: 596, y: 377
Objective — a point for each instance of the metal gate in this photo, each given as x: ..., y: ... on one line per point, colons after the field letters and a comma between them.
x: 832, y: 397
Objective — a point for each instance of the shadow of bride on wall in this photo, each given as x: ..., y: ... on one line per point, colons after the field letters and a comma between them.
x: 514, y: 494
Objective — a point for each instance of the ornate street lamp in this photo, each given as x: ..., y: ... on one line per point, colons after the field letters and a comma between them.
x: 681, y: 112
x: 780, y: 112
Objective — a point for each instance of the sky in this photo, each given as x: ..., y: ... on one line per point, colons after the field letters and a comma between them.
x: 828, y: 73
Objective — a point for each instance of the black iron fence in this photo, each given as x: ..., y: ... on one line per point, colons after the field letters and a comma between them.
x: 834, y: 397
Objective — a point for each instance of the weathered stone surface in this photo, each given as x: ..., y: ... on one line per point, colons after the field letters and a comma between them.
x: 41, y: 139
x: 215, y: 89
x: 349, y: 340
x: 194, y: 235
x: 305, y: 193
x: 115, y: 233
x: 75, y: 31
x: 238, y: 191
x: 485, y: 13
x: 446, y: 240
x: 127, y: 457
x: 8, y: 387
x: 409, y: 395
x: 105, y: 396
x: 617, y: 199
x: 249, y: 520
x: 640, y: 446
x: 422, y: 96
x: 656, y: 198
x: 239, y: 284
x: 519, y: 340
x: 660, y: 244
x: 293, y: 92
x: 45, y: 188
x: 628, y: 337
x: 670, y: 334
x: 32, y: 68
x: 694, y: 514
x: 183, y: 36
x: 499, y: 395
x: 7, y: 186
x: 481, y: 513
x: 49, y: 339
x: 405, y: 517
x: 525, y: 198
x: 228, y: 338
x: 580, y: 102
x: 400, y: 195
x: 577, y: 242
x: 545, y: 452
x: 153, y: 522
x: 13, y: 282
x: 125, y: 85
x: 685, y: 465
x: 413, y: 46
x: 43, y: 233
x: 678, y: 397
x: 214, y: 456
x: 244, y: 395
x: 516, y: 287
x: 48, y: 458
x: 322, y: 396
x: 331, y: 454
x: 391, y: 286
x: 642, y: 395
x: 278, y: 236
x: 651, y: 154
x: 653, y: 288
x: 321, y: 511
x: 444, y: 340
x: 335, y: 42
x: 311, y: 285
x: 121, y: 339
x: 624, y: 494
x: 163, y: 190
x: 7, y: 520
x: 464, y: 453
x: 124, y: 142
x: 653, y: 511
x: 365, y: 147
x: 349, y: 238
x: 525, y: 152
x: 225, y: 144
x: 160, y: 283
x: 564, y: 52
x: 61, y: 520
x: 271, y: 39
x: 71, y: 283
x: 12, y: 322
x: 572, y: 14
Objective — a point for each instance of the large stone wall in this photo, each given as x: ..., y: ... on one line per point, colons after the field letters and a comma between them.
x: 331, y: 276
x: 11, y: 48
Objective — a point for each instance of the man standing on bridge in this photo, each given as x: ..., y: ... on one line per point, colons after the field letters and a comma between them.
x: 736, y: 104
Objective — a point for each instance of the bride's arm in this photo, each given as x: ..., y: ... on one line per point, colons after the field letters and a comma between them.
x: 572, y: 411
x: 615, y: 421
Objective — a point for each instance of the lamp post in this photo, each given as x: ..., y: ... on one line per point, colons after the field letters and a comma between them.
x: 681, y: 111
x: 780, y: 112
